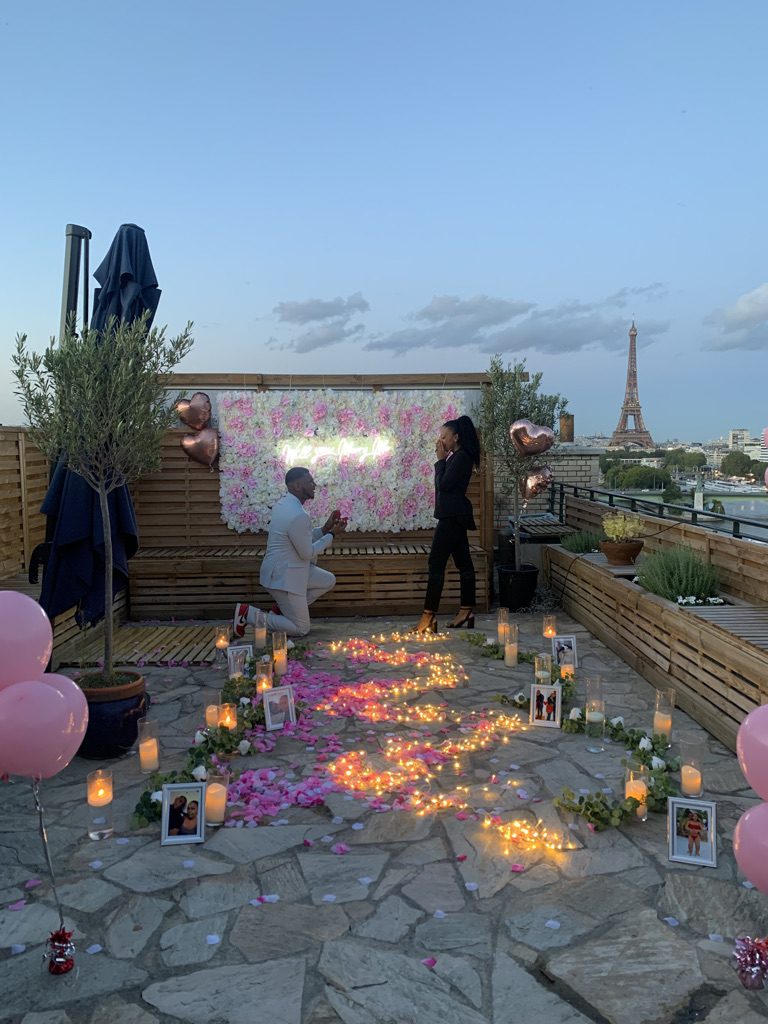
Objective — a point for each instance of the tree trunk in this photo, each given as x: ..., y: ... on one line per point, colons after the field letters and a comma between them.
x: 516, y: 513
x: 108, y: 619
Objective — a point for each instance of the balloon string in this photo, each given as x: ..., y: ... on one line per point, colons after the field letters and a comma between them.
x: 44, y: 837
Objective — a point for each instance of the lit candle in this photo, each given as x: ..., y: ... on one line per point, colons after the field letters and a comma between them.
x: 228, y: 716
x: 662, y: 723
x: 149, y: 755
x: 502, y: 632
x: 281, y: 662
x: 99, y: 796
x: 215, y: 803
x: 212, y: 715
x: 638, y: 789
x: 549, y: 627
x: 260, y: 636
x: 691, y: 781
x: 566, y: 670
x: 100, y: 789
x: 280, y: 653
x: 595, y: 717
x: 510, y: 653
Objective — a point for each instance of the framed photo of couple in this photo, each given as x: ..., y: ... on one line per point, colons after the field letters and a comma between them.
x: 546, y: 706
x: 183, y: 813
x: 279, y: 707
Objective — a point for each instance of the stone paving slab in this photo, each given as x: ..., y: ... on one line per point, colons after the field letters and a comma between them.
x: 576, y: 935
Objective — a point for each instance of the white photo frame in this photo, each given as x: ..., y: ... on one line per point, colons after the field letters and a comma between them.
x: 177, y: 824
x: 279, y: 707
x: 692, y: 831
x: 231, y: 650
x: 564, y: 643
x: 546, y: 707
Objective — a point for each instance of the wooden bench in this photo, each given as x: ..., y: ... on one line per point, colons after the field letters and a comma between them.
x: 191, y: 565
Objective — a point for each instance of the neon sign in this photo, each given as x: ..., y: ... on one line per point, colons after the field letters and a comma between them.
x: 309, y: 451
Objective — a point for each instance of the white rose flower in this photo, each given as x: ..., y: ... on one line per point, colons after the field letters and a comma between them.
x: 658, y: 762
x: 244, y: 746
x: 245, y: 701
x: 157, y: 796
x: 199, y: 738
x: 618, y: 720
x: 521, y: 698
x: 645, y: 744
x: 200, y: 773
x: 575, y: 715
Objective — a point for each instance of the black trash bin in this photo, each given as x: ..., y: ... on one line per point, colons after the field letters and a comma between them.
x: 517, y: 587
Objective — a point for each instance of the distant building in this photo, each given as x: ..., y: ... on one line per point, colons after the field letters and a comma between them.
x: 738, y: 437
x: 755, y: 449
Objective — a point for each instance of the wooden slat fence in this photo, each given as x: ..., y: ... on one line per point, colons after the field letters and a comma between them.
x: 23, y: 483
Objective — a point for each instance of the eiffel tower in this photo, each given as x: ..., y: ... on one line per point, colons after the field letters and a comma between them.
x: 635, y: 436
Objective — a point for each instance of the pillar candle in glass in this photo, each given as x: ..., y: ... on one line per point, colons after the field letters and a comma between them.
x: 691, y: 770
x: 636, y: 785
x: 511, y: 645
x: 221, y: 643
x: 502, y: 624
x: 212, y: 699
x: 549, y: 627
x: 567, y: 664
x: 236, y: 664
x: 662, y: 715
x: 216, y: 789
x: 280, y: 653
x: 263, y: 678
x: 542, y: 669
x: 99, y: 796
x: 228, y: 716
x: 260, y: 630
x: 149, y: 746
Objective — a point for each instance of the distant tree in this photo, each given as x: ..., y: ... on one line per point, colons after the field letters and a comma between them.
x: 715, y: 505
x: 672, y: 494
x: 685, y: 460
x: 735, y: 464
x: 757, y: 469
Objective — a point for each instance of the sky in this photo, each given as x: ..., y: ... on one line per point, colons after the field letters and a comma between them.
x: 409, y: 186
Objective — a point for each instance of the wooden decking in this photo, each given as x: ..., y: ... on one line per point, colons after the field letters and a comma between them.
x: 166, y: 644
x: 750, y: 623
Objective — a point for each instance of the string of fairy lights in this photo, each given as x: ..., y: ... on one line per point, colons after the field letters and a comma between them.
x: 413, y: 771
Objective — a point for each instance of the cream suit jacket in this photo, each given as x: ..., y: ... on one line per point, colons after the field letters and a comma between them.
x: 292, y: 547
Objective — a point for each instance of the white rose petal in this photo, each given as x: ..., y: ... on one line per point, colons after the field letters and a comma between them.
x: 157, y: 796
x: 575, y: 714
x: 200, y: 773
x: 618, y: 720
x: 245, y: 701
x: 658, y: 762
x: 645, y: 744
x: 199, y: 738
x: 244, y: 746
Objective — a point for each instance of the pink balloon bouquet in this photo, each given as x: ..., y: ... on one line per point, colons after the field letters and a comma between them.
x: 750, y: 845
x: 752, y: 750
x: 39, y: 730
x: 26, y: 638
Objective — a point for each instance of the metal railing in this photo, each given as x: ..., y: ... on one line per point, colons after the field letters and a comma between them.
x: 716, y: 521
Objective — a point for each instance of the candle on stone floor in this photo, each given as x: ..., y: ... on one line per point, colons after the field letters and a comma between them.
x: 549, y: 627
x: 511, y: 645
x: 212, y: 715
x: 260, y: 630
x: 280, y: 653
x: 228, y: 716
x: 636, y: 785
x: 691, y: 770
x: 502, y: 626
x: 99, y: 796
x: 662, y: 715
x: 149, y: 746
x: 216, y: 800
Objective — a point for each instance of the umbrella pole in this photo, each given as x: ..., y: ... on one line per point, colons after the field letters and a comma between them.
x: 75, y: 234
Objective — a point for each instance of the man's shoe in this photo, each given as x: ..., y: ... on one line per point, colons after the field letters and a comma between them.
x: 276, y: 609
x: 240, y: 620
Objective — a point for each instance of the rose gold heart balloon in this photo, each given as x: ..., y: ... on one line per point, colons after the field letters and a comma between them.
x: 529, y: 439
x: 536, y: 481
x: 203, y: 447
x: 195, y: 412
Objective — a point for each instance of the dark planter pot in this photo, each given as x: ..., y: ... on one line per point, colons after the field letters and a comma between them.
x: 517, y: 586
x: 621, y: 552
x: 113, y: 717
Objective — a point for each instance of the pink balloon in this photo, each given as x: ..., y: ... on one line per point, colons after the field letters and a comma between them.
x: 77, y: 706
x: 750, y: 845
x: 766, y: 478
x: 39, y: 735
x: 752, y: 750
x: 26, y: 638
x: 765, y: 437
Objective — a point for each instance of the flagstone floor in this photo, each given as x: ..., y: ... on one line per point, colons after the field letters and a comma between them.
x: 423, y: 920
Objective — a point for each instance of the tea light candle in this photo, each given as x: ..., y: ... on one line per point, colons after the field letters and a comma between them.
x: 212, y: 715
x: 228, y: 716
x: 222, y: 643
x: 215, y: 803
x: 691, y: 781
x: 595, y: 717
x: 638, y: 789
x: 149, y: 755
x: 662, y: 723
x: 100, y: 789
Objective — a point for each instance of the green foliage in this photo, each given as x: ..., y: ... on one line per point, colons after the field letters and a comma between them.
x: 682, y: 459
x: 581, y: 542
x: 678, y: 572
x: 735, y: 464
x: 622, y: 526
x: 758, y: 470
x: 506, y: 398
x: 672, y: 494
x: 148, y: 810
x: 715, y: 505
x: 596, y: 809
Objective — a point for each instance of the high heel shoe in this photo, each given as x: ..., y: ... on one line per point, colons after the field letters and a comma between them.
x: 425, y: 625
x: 465, y: 622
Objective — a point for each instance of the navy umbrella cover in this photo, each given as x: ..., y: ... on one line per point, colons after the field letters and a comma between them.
x: 127, y: 278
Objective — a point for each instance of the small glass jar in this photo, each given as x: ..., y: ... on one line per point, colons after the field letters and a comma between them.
x: 662, y: 714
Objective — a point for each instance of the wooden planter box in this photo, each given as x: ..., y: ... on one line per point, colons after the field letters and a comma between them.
x: 718, y: 677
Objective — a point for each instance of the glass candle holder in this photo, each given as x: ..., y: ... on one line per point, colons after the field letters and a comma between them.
x: 636, y: 785
x: 228, y: 716
x: 221, y: 643
x: 211, y: 700
x: 216, y: 790
x: 567, y: 663
x: 662, y: 715
x: 502, y: 624
x: 236, y: 664
x: 511, y: 648
x: 542, y: 669
x: 691, y: 767
x: 260, y: 630
x: 280, y: 653
x: 263, y: 677
x: 549, y: 627
x: 594, y: 724
x: 149, y: 746
x: 99, y: 796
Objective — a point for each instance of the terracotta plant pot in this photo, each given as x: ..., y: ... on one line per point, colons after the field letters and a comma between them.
x: 621, y: 552
x: 113, y: 716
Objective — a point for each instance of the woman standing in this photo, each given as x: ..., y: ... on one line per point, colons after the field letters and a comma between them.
x: 458, y: 452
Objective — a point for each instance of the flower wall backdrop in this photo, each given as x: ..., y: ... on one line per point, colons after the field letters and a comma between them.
x: 371, y: 454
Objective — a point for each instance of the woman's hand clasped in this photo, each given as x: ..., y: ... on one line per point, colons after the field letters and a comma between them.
x: 440, y: 450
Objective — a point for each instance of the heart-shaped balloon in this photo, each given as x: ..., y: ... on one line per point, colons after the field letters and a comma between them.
x: 195, y: 412
x: 536, y: 481
x: 203, y: 446
x: 529, y: 439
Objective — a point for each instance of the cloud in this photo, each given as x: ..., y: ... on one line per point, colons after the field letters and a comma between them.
x: 743, y: 324
x: 500, y: 325
x: 319, y: 309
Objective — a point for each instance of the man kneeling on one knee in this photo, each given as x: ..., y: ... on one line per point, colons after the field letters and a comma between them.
x: 288, y: 570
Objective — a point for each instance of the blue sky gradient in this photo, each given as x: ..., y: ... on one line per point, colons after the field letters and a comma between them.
x: 335, y: 186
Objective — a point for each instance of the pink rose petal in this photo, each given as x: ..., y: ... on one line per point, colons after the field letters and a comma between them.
x: 517, y: 868
x: 429, y: 962
x: 32, y: 883
x: 461, y: 858
x: 18, y: 905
